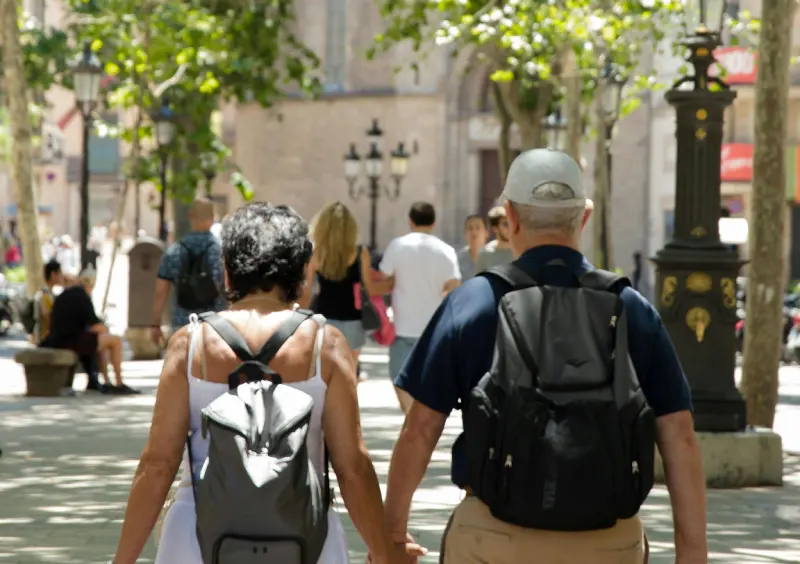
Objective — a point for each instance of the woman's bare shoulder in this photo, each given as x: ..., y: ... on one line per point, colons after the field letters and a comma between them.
x: 337, y: 360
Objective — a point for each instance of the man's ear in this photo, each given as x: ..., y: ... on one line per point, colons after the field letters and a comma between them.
x: 587, y: 213
x: 513, y: 218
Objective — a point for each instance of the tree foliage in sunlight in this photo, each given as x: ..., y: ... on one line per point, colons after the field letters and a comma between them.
x: 208, y: 55
x: 524, y: 43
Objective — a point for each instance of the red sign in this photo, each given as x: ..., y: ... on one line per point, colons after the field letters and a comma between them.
x: 739, y: 63
x: 737, y: 162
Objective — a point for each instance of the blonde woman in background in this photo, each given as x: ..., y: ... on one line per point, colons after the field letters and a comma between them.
x: 339, y: 263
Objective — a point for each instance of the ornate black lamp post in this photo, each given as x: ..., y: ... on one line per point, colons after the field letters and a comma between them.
x: 373, y: 167
x: 88, y: 73
x: 164, y: 120
x: 612, y: 104
x: 696, y: 272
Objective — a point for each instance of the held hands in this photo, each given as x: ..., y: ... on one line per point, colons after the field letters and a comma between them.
x: 404, y: 551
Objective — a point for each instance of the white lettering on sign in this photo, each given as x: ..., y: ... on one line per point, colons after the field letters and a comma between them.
x: 735, y: 163
x: 739, y: 64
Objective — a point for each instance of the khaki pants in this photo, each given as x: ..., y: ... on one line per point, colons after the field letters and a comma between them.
x: 473, y: 536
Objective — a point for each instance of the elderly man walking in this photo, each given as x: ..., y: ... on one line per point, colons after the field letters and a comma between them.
x: 527, y: 498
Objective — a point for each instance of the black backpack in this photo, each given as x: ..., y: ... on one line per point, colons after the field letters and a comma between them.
x: 558, y: 433
x: 196, y: 289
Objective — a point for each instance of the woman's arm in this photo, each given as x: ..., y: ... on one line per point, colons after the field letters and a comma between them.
x: 162, y: 454
x: 349, y: 457
x: 374, y: 287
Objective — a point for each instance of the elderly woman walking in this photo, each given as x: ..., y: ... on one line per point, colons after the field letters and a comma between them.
x: 266, y: 252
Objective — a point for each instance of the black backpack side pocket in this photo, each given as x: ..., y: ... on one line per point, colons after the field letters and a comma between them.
x: 638, y: 471
x: 482, y: 433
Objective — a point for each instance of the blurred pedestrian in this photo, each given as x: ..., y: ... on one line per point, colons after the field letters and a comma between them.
x: 194, y: 266
x: 340, y: 263
x: 498, y: 251
x: 423, y: 269
x: 476, y: 234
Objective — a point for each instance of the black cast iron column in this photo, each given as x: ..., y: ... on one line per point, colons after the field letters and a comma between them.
x: 696, y: 273
x: 162, y: 208
x: 84, y: 226
x: 374, y: 194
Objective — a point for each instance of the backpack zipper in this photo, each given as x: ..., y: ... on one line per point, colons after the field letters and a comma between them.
x: 505, y: 477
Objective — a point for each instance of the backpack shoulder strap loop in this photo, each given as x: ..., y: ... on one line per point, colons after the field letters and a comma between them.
x: 604, y: 281
x: 229, y: 334
x: 512, y: 275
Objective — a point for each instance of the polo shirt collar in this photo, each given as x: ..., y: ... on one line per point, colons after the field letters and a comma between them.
x: 539, y: 256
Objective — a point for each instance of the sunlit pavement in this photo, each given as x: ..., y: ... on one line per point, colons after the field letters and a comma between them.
x: 67, y: 464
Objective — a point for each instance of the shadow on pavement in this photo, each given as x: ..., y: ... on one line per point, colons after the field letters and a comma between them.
x: 67, y: 464
x: 65, y: 474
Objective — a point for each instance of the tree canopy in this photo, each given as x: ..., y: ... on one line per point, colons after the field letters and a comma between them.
x: 201, y: 54
x: 525, y: 43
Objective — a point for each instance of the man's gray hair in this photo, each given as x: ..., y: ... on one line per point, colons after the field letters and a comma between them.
x: 563, y: 220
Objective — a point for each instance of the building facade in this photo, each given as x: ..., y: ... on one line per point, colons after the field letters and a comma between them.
x: 443, y: 114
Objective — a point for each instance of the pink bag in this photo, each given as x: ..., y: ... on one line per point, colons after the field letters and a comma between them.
x: 386, y: 334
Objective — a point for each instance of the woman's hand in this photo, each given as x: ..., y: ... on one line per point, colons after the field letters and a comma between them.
x: 404, y: 551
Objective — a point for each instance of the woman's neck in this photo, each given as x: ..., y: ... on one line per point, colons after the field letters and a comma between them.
x: 262, y: 302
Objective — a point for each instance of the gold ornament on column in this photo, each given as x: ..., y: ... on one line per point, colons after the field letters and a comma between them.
x: 698, y: 319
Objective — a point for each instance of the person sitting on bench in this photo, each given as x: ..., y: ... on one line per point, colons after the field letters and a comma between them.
x: 74, y: 325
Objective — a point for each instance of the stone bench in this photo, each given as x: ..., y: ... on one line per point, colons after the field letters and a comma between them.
x: 47, y: 371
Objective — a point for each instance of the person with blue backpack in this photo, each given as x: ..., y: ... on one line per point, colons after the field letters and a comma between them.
x: 253, y: 404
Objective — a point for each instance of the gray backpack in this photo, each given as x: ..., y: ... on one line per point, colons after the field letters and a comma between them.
x: 258, y: 499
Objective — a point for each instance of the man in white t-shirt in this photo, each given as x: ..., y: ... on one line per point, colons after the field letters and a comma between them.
x: 423, y: 269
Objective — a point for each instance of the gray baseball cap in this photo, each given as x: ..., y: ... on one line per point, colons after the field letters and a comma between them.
x: 537, y: 167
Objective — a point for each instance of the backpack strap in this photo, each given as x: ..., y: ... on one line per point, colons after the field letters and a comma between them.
x: 604, y: 281
x: 511, y: 274
x: 279, y: 337
x: 229, y: 334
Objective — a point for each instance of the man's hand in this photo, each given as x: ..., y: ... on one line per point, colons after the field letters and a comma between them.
x: 157, y: 336
x: 404, y: 551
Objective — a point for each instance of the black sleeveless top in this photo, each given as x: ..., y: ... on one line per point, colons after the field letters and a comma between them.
x: 336, y: 299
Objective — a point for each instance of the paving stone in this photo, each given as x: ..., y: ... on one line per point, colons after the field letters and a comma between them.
x: 67, y: 465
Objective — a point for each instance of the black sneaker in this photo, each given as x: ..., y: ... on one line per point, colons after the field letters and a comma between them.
x: 124, y: 390
x: 107, y: 389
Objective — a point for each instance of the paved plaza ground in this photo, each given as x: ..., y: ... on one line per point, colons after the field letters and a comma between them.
x: 67, y: 464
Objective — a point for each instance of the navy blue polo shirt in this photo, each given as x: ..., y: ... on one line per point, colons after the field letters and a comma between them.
x: 456, y: 349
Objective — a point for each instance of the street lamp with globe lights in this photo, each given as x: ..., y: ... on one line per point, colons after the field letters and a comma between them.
x: 164, y: 120
x: 372, y: 165
x: 88, y: 73
x: 696, y: 272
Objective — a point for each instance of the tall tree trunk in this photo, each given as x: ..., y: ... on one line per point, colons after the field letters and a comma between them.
x: 602, y: 252
x: 572, y: 81
x: 764, y: 325
x: 529, y: 121
x: 22, y: 151
x: 504, y: 142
